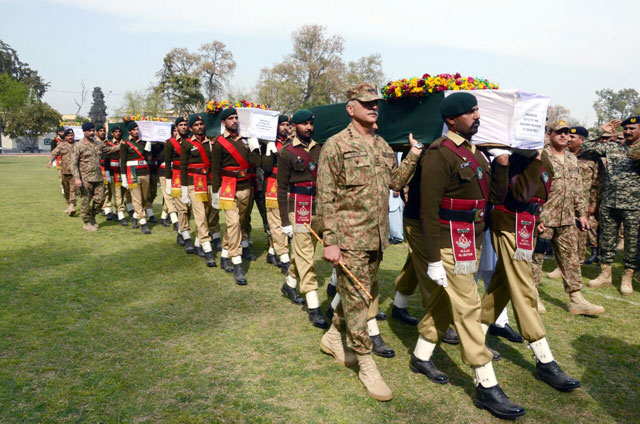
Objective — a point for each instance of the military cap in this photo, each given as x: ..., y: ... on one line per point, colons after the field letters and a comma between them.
x: 579, y: 131
x: 283, y: 118
x: 631, y: 120
x: 365, y: 92
x: 559, y: 125
x: 67, y: 132
x: 116, y: 128
x: 228, y: 112
x: 180, y: 119
x: 609, y: 134
x: 303, y: 115
x: 193, y: 119
x: 87, y: 126
x: 132, y: 125
x: 457, y: 104
x: 60, y: 129
x: 99, y: 127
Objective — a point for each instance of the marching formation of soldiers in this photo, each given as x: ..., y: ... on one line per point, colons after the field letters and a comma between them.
x: 338, y: 193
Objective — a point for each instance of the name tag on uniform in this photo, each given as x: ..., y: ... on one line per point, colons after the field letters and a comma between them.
x: 388, y: 155
x: 349, y: 155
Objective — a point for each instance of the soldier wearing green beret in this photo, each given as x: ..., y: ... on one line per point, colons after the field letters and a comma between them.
x: 134, y: 168
x: 117, y: 190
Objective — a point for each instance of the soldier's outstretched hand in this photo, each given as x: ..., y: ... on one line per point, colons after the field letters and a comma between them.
x: 332, y: 254
x: 584, y: 224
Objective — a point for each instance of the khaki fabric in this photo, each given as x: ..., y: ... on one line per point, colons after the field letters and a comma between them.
x: 512, y: 280
x: 214, y: 221
x: 168, y: 205
x: 201, y: 215
x: 459, y: 302
x: 303, y: 247
x: 234, y: 219
x: 184, y: 213
x: 108, y: 193
x: 139, y: 195
x: 279, y: 239
x: 153, y: 190
x: 414, y: 271
x: 118, y: 197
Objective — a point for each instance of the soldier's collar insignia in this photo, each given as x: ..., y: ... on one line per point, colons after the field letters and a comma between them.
x: 545, y: 176
x: 479, y: 172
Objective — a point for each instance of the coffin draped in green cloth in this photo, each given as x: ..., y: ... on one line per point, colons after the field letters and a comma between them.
x: 395, y: 121
x: 211, y: 123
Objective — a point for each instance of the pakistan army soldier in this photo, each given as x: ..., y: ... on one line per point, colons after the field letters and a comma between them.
x: 231, y: 160
x: 117, y: 190
x: 620, y: 202
x: 456, y: 186
x: 101, y: 137
x: 169, y: 213
x: 59, y: 138
x: 356, y: 170
x: 134, y: 169
x: 62, y: 155
x: 155, y: 152
x: 85, y: 167
x: 297, y: 174
x: 564, y: 206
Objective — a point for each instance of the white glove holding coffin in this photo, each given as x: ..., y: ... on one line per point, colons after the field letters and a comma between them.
x: 436, y: 272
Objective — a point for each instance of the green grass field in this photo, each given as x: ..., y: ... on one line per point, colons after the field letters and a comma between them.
x: 115, y: 326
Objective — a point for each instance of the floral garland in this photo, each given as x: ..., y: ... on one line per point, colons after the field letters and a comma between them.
x: 70, y: 124
x: 215, y: 106
x: 138, y: 117
x: 426, y: 85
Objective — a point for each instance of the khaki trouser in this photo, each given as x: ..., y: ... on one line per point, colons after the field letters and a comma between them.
x: 564, y: 241
x: 118, y: 197
x: 69, y: 188
x: 184, y: 213
x: 459, y: 300
x: 214, y: 221
x: 201, y: 215
x: 512, y: 280
x: 153, y: 190
x: 107, y: 194
x: 414, y: 271
x: 139, y: 195
x: 303, y: 247
x: 168, y: 206
x: 246, y: 222
x: 278, y: 238
x: 231, y: 242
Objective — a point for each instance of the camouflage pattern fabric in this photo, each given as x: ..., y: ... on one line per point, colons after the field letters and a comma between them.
x: 92, y: 194
x: 589, y: 174
x: 610, y: 221
x: 63, y: 150
x: 85, y: 160
x: 564, y: 241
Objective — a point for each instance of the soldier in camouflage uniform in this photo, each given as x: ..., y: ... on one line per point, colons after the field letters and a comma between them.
x: 62, y: 154
x: 566, y: 203
x: 85, y: 167
x: 620, y: 202
x: 101, y: 137
x: 356, y: 170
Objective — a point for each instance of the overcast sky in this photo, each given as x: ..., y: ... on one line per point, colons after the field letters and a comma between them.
x: 564, y: 49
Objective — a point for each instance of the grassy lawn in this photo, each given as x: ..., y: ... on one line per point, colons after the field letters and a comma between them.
x: 117, y: 326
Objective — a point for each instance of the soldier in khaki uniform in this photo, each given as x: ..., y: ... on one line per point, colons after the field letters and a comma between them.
x: 566, y: 204
x: 231, y: 160
x: 62, y: 155
x: 85, y: 167
x: 134, y: 168
x: 169, y: 212
x: 356, y: 170
x: 116, y: 179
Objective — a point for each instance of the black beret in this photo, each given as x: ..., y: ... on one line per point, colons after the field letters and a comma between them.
x: 282, y: 118
x: 631, y: 120
x: 132, y: 125
x: 87, y: 126
x: 193, y: 119
x: 228, y: 112
x: 67, y: 132
x: 60, y: 129
x: 457, y: 104
x: 180, y: 119
x: 303, y: 115
x: 579, y: 131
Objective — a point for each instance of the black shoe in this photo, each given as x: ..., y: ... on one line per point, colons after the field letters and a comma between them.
x: 506, y: 332
x: 395, y: 240
x: 316, y: 318
x: 180, y: 240
x: 401, y: 314
x: 331, y: 290
x: 123, y: 222
x: 111, y: 216
x: 451, y: 337
x: 284, y: 268
x: 292, y: 294
x: 145, y: 229
x: 380, y: 348
x: 381, y: 315
x: 130, y: 213
x: 247, y: 255
x: 199, y: 251
x: 153, y: 220
x: 330, y: 313
x: 175, y: 226
x: 188, y: 247
x: 429, y: 369
x: 209, y: 259
x: 238, y: 274
x: 217, y: 244
x: 134, y: 223
x: 103, y: 213
x: 593, y: 258
x: 495, y: 353
x: 166, y: 222
x: 495, y: 401
x: 225, y: 264
x: 271, y: 259
x: 552, y: 375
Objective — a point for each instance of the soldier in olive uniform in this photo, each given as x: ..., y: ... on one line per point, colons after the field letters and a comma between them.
x: 59, y: 138
x: 169, y: 213
x: 134, y: 168
x: 101, y: 137
x: 62, y: 155
x: 357, y: 168
x: 117, y: 189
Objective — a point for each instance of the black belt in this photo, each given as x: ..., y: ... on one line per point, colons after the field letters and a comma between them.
x: 302, y: 190
x: 198, y: 171
x: 241, y: 175
x: 515, y: 206
x: 457, y: 216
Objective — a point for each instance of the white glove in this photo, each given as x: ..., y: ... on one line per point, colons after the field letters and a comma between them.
x: 498, y: 151
x: 436, y: 272
x: 167, y: 187
x: 147, y: 146
x: 253, y: 143
x: 185, y: 195
x: 215, y: 200
x: 288, y: 230
x: 271, y: 148
x: 125, y: 184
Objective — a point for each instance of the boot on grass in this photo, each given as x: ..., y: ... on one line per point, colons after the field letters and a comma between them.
x: 371, y: 379
x: 602, y: 280
x: 580, y: 306
x: 556, y: 273
x: 626, y: 287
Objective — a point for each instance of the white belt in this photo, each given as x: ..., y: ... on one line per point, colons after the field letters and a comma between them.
x: 136, y: 162
x: 114, y: 164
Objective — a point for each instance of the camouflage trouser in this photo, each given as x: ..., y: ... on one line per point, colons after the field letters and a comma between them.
x: 69, y: 188
x: 588, y: 238
x: 610, y: 220
x: 92, y: 200
x: 564, y: 241
x: 351, y: 314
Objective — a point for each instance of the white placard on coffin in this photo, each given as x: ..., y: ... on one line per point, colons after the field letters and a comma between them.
x: 258, y: 123
x: 154, y: 131
x: 511, y: 117
x: 78, y: 134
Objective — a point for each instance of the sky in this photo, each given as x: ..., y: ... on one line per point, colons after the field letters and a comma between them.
x: 564, y: 49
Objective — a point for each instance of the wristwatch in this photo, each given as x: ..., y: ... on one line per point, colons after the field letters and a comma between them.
x: 419, y: 145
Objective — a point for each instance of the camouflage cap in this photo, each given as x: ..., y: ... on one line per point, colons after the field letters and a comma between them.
x: 608, y: 134
x: 365, y: 92
x: 560, y: 124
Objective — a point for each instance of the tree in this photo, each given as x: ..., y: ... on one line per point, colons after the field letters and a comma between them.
x: 13, y: 94
x: 30, y: 122
x: 10, y: 64
x: 616, y: 105
x: 98, y: 111
x: 366, y: 69
x: 217, y: 67
x: 144, y: 102
x: 558, y: 112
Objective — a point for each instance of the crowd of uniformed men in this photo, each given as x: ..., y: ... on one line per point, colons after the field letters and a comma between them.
x: 589, y: 188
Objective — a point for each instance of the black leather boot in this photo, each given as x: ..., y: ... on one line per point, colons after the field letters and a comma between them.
x: 216, y: 243
x: 209, y: 259
x: 451, y: 337
x: 130, y: 213
x: 284, y: 268
x: 495, y: 353
x: 495, y: 401
x: 238, y: 274
x: 331, y: 290
x: 316, y: 318
x: 551, y: 374
x: 145, y: 229
x: 111, y: 216
x: 134, y: 223
x: 593, y: 258
x: 247, y: 255
x: 180, y: 240
x: 292, y: 294
x: 123, y: 222
x: 153, y: 220
x: 199, y: 251
x: 402, y: 314
x: 225, y: 264
x: 271, y: 259
x: 381, y: 315
x: 175, y: 226
x: 506, y: 332
x: 166, y: 222
x: 380, y: 348
x: 429, y: 369
x: 330, y: 313
x: 188, y: 247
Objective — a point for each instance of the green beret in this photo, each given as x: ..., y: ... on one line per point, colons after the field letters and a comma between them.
x: 193, y: 119
x: 99, y: 127
x: 631, y: 121
x: 282, y: 118
x: 60, y: 129
x: 303, y: 115
x: 228, y: 112
x: 457, y: 104
x: 131, y: 125
x: 180, y: 119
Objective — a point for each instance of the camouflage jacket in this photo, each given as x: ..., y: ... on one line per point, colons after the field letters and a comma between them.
x: 589, y: 174
x: 63, y: 149
x: 354, y: 177
x: 621, y: 175
x: 566, y: 200
x: 85, y: 159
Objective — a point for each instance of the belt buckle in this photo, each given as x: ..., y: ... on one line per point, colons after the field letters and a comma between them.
x: 242, y: 173
x: 479, y: 214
